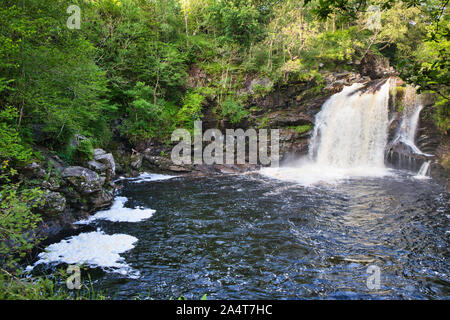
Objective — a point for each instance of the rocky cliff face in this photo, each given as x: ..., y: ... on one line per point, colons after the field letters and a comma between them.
x: 71, y: 192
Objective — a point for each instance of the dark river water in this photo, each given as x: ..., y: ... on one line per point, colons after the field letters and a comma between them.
x: 251, y: 237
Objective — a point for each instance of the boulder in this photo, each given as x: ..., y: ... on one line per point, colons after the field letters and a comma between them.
x: 54, y: 204
x: 34, y: 170
x: 136, y: 161
x: 108, y: 160
x: 99, y: 152
x: 166, y: 164
x: 96, y: 166
x: 76, y: 140
x: 101, y: 200
x: 375, y: 66
x: 85, y: 181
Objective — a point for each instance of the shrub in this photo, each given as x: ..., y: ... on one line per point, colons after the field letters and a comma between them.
x: 191, y: 110
x: 233, y: 110
x: 84, y: 151
x: 17, y: 219
x: 11, y: 144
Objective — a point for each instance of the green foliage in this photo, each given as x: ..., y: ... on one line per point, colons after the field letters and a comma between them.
x: 233, y: 110
x: 11, y: 145
x: 148, y: 116
x: 264, y: 123
x: 303, y: 128
x: 17, y: 219
x: 44, y: 288
x: 236, y: 21
x: 442, y: 114
x: 85, y: 150
x: 262, y: 91
x: 336, y: 46
x: 429, y: 69
x: 191, y: 110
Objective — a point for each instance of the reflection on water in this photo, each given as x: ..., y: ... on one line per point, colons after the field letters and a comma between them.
x: 252, y: 237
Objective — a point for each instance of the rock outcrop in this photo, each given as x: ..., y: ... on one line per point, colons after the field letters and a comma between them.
x: 375, y: 66
x: 71, y: 192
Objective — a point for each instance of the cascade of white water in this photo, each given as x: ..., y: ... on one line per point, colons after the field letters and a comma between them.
x: 351, y: 129
x: 349, y: 139
x: 408, y: 127
x: 403, y: 151
x: 423, y: 172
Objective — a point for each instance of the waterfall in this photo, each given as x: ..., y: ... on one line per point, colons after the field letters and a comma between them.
x: 408, y: 128
x: 423, y: 172
x: 351, y: 129
x: 402, y: 151
x: 349, y: 139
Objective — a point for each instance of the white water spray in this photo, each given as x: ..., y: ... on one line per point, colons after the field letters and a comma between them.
x: 349, y: 139
x: 408, y: 128
x: 423, y: 172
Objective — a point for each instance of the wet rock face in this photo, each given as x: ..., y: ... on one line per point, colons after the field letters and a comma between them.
x: 293, y: 144
x: 402, y: 156
x: 54, y: 204
x: 85, y: 181
x: 285, y: 118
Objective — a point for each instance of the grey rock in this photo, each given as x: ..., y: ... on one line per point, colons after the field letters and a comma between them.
x: 108, y: 160
x: 136, y: 161
x: 99, y: 152
x: 178, y: 169
x: 375, y: 66
x: 101, y: 200
x: 85, y: 181
x: 34, y: 170
x: 96, y: 166
x: 54, y: 204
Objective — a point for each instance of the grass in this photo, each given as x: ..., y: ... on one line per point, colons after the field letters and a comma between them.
x: 44, y: 288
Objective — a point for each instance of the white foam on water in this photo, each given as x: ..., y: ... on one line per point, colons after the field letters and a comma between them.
x: 349, y: 139
x: 95, y: 249
x: 310, y: 174
x: 118, y: 213
x: 149, y: 177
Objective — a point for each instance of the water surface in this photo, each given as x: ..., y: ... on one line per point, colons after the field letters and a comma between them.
x: 252, y: 237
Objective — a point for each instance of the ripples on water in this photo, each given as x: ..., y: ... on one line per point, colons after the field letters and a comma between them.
x: 251, y: 237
